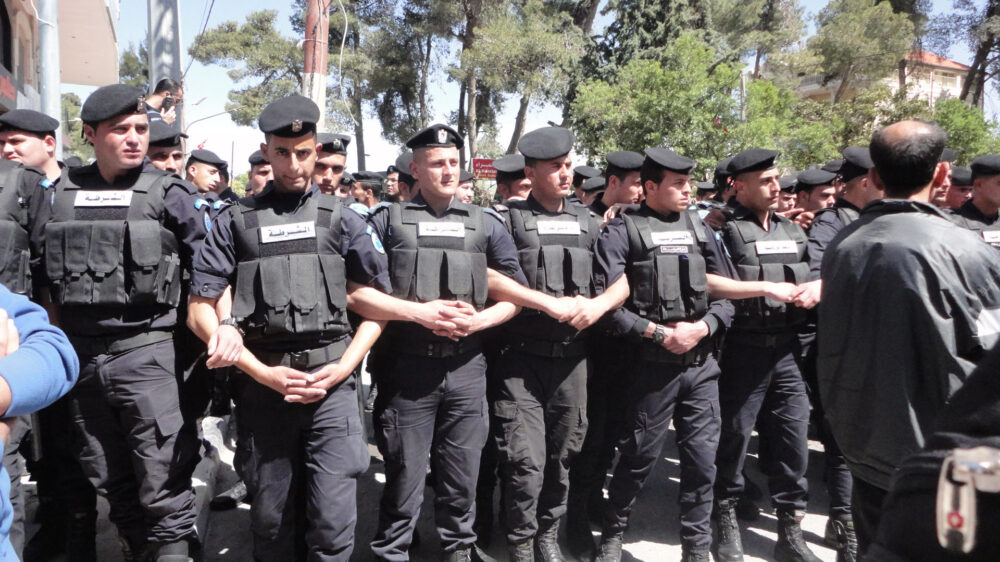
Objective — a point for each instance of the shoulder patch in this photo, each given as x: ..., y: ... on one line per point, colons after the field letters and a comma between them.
x: 376, y: 241
x: 208, y: 222
x: 359, y: 209
x: 221, y: 203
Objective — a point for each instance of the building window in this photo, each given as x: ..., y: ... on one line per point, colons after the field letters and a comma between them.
x: 6, y: 38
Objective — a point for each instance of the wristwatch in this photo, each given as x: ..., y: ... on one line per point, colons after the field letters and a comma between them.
x: 231, y: 322
x: 659, y: 334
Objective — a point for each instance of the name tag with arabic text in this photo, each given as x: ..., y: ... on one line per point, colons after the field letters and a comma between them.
x: 284, y: 232
x: 672, y: 237
x: 765, y: 247
x: 103, y: 198
x: 447, y: 229
x: 558, y: 227
x: 992, y: 237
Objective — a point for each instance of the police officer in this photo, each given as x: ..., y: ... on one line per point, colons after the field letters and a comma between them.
x: 663, y: 252
x: 760, y: 375
x: 166, y: 150
x: 580, y: 175
x: 512, y: 184
x: 787, y: 197
x: 980, y: 214
x: 621, y: 181
x: 203, y: 170
x: 260, y: 173
x: 405, y: 183
x: 960, y: 189
x: 367, y: 189
x: 540, y: 409
x: 331, y: 161
x: 114, y: 249
x: 466, y: 187
x: 590, y: 190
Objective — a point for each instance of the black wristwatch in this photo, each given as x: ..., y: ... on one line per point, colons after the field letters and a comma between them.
x: 659, y: 334
x: 231, y: 322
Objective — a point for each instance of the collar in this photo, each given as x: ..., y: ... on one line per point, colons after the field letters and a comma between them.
x: 534, y: 205
x: 841, y: 203
x: 891, y: 206
x: 419, y: 201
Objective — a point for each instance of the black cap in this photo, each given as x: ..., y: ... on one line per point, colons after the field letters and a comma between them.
x: 367, y: 178
x: 403, y: 165
x: 510, y: 167
x: 722, y: 171
x: 583, y: 173
x: 669, y: 160
x: 73, y: 162
x: 111, y: 101
x: 809, y: 179
x: 465, y: 175
x: 546, y: 143
x: 787, y: 183
x: 624, y: 159
x: 346, y: 178
x: 257, y: 158
x: 857, y: 162
x: 833, y: 166
x: 291, y: 116
x: 947, y: 155
x: 333, y: 143
x: 437, y: 135
x: 29, y: 121
x: 960, y: 175
x: 593, y: 184
x: 208, y: 157
x: 987, y: 165
x: 752, y: 160
x: 706, y: 186
x: 164, y: 135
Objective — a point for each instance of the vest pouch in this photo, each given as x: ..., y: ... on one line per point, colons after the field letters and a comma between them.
x: 528, y: 258
x: 552, y: 264
x: 107, y: 241
x: 797, y: 272
x: 775, y: 273
x: 335, y: 277
x: 480, y: 281
x: 55, y: 250
x: 9, y: 249
x: 243, y: 294
x: 148, y: 264
x: 428, y: 281
x: 641, y: 286
x: 15, y: 271
x: 304, y: 291
x: 459, y: 275
x: 748, y: 272
x: 668, y: 285
x: 698, y: 283
x: 403, y: 269
x: 275, y: 291
x: 581, y: 268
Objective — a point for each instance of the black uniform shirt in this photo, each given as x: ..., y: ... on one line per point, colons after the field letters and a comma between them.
x: 501, y: 255
x: 598, y: 207
x: 611, y: 259
x: 824, y: 227
x: 215, y: 264
x: 969, y: 216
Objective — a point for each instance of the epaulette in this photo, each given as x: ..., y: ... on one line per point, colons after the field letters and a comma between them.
x: 500, y: 207
x: 359, y: 209
x: 221, y: 204
x: 491, y: 211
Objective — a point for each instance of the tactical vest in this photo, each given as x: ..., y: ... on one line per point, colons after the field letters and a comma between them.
x: 290, y: 277
x: 556, y: 252
x: 666, y: 275
x: 846, y: 215
x: 990, y: 233
x: 15, y: 252
x: 438, y: 257
x: 759, y: 255
x: 109, y: 246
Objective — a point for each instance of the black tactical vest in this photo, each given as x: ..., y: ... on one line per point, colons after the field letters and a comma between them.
x: 109, y: 246
x: 556, y: 252
x: 290, y: 275
x: 15, y: 252
x: 438, y: 257
x: 666, y: 271
x: 990, y: 233
x: 776, y: 255
x: 846, y: 215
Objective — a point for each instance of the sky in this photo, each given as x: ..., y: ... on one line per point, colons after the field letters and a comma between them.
x: 206, y: 86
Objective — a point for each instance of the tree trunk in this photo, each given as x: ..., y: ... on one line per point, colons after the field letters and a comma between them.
x: 902, y: 75
x: 584, y: 13
x: 359, y: 136
x: 522, y: 114
x: 470, y: 115
x: 424, y: 77
x: 844, y: 80
x: 462, y: 130
x: 473, y: 14
x: 975, y: 79
x: 756, y: 64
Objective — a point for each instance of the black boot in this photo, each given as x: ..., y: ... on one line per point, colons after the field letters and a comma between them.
x: 791, y: 547
x: 520, y: 552
x: 134, y: 548
x: 595, y: 506
x: 462, y: 554
x: 230, y: 498
x: 81, y: 533
x: 840, y: 535
x: 611, y: 548
x: 747, y: 509
x: 579, y: 538
x: 695, y: 554
x: 547, y: 544
x: 483, y: 526
x: 730, y: 545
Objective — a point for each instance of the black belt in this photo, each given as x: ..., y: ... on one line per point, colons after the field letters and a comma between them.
x: 101, y: 345
x: 424, y: 348
x: 652, y: 351
x: 759, y: 339
x: 305, y: 359
x: 545, y: 348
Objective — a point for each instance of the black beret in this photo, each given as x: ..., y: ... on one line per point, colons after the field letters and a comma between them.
x: 670, y: 160
x: 752, y: 160
x: 465, y: 175
x: 546, y: 143
x: 392, y: 169
x: 291, y: 116
x: 510, y: 164
x: 947, y: 155
x: 208, y: 157
x: 857, y: 162
x: 437, y: 135
x: 403, y: 165
x: 624, y: 159
x: 333, y: 143
x: 787, y: 183
x: 111, y: 101
x: 833, y: 166
x: 593, y: 184
x: 163, y: 134
x: 73, y: 162
x: 583, y: 173
x: 367, y: 178
x: 28, y: 120
x: 987, y: 165
x: 706, y: 186
x: 346, y: 178
x: 257, y: 158
x: 809, y: 179
x: 960, y: 175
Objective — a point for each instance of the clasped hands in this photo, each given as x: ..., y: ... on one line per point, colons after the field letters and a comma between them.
x: 805, y: 295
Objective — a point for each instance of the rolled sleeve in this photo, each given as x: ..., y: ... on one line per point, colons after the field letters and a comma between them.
x: 364, y: 253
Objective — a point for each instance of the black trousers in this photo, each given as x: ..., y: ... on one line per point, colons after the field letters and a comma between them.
x: 688, y: 396
x: 133, y: 443
x: 762, y: 386
x: 867, y: 509
x: 430, y: 408
x: 14, y: 464
x: 540, y: 422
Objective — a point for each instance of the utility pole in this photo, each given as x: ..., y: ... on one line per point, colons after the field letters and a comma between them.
x: 49, y: 78
x: 164, y: 44
x: 315, y: 51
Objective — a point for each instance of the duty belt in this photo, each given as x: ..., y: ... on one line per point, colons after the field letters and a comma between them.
x: 425, y: 348
x: 545, y: 348
x: 761, y: 339
x: 651, y: 351
x: 101, y: 345
x: 305, y: 359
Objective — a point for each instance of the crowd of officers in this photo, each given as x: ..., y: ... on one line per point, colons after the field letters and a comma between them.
x: 515, y: 348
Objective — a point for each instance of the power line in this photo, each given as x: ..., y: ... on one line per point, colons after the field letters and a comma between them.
x: 204, y: 26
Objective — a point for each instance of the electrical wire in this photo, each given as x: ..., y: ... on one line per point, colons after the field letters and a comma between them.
x: 204, y: 26
x: 340, y: 64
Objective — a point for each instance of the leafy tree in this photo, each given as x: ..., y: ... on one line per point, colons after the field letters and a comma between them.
x: 643, y: 28
x: 72, y: 128
x: 977, y: 24
x: 969, y: 133
x: 239, y: 184
x: 756, y: 27
x: 133, y: 66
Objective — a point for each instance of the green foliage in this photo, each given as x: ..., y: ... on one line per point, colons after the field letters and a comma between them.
x: 239, y: 184
x: 644, y: 28
x: 72, y: 129
x: 264, y: 65
x: 133, y: 66
x: 969, y: 133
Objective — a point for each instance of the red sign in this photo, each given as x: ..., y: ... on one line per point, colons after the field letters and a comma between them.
x: 483, y: 169
x: 8, y: 91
